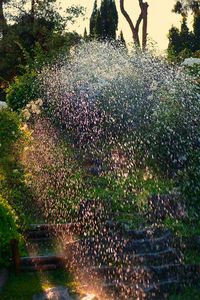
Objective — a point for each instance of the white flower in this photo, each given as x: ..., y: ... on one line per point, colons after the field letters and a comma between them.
x: 39, y: 102
x: 154, y: 86
x: 191, y: 61
x: 3, y: 105
x: 26, y: 114
x: 150, y: 97
x: 28, y: 105
x: 37, y: 112
x: 24, y: 127
x: 34, y: 108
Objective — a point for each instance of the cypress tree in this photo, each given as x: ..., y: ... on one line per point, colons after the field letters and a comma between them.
x: 185, y: 35
x: 196, y: 29
x: 93, y: 20
x: 104, y: 21
x: 98, y: 26
x: 174, y: 46
x: 112, y: 20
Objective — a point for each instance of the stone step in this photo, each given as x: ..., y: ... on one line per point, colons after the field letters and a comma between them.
x: 142, y: 275
x: 41, y: 239
x: 58, y: 226
x: 154, y: 291
x: 38, y: 234
x: 159, y: 258
x: 39, y: 267
x: 48, y: 230
x: 147, y: 233
x: 149, y: 245
x: 41, y: 260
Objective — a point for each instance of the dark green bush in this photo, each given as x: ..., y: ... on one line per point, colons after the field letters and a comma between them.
x: 24, y: 89
x: 8, y: 230
x: 9, y: 131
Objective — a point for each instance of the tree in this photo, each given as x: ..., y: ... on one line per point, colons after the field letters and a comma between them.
x: 184, y: 43
x: 196, y: 30
x: 182, y: 7
x: 135, y: 29
x: 93, y: 19
x: 35, y: 26
x: 186, y: 37
x: 104, y: 21
x: 174, y: 43
x: 121, y: 39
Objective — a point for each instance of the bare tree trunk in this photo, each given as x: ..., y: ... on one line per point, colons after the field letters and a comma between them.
x: 144, y: 10
x: 135, y: 29
x: 2, y: 19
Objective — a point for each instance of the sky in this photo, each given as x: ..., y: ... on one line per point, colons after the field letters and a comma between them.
x: 160, y: 18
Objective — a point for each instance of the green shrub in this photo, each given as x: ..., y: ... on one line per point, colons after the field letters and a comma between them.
x: 189, y: 181
x: 9, y: 131
x: 12, y: 177
x: 22, y: 90
x: 8, y: 230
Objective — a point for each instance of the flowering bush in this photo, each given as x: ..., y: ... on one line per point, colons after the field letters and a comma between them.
x: 32, y: 108
x: 105, y: 98
x: 22, y: 90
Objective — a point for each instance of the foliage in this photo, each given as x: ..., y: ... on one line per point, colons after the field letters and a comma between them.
x: 9, y: 132
x: 187, y: 294
x: 184, y: 6
x: 189, y: 180
x: 127, y: 195
x: 12, y: 184
x: 27, y: 284
x: 184, y: 43
x: 104, y: 21
x: 43, y: 26
x: 8, y: 230
x: 54, y: 176
x: 23, y: 90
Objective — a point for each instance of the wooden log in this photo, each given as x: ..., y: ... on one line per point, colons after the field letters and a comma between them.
x: 14, y: 243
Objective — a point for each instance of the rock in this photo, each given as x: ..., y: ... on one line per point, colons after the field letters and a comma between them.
x: 56, y: 293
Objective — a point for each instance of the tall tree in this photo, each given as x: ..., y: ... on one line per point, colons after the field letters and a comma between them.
x: 135, y: 28
x: 104, y: 21
x: 33, y: 23
x: 182, y: 7
x: 183, y: 43
x: 93, y: 19
x: 196, y: 30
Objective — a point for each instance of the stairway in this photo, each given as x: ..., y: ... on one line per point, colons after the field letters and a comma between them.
x: 130, y: 264
x: 44, y: 245
x: 121, y: 264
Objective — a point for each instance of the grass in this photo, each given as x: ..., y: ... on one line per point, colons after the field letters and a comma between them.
x: 187, y: 294
x: 192, y: 257
x: 24, y: 286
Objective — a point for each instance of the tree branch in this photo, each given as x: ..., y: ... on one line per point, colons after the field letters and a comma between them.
x: 128, y: 19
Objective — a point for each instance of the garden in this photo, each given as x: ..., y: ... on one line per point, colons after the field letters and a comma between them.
x: 99, y: 170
